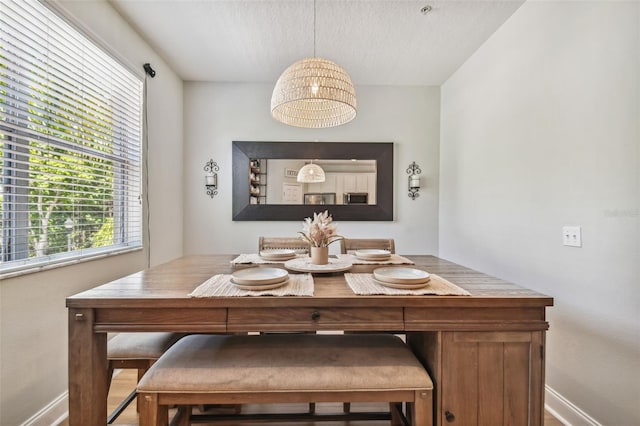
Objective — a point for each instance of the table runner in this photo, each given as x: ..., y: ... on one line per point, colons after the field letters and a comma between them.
x: 395, y: 259
x: 221, y: 286
x: 363, y: 284
x: 256, y: 259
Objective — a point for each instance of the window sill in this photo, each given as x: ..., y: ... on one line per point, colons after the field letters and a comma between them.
x: 30, y: 269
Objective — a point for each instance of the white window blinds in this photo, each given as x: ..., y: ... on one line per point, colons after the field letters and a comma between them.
x: 70, y: 143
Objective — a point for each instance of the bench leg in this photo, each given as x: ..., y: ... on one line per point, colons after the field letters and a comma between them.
x: 422, y: 409
x: 141, y: 372
x: 152, y: 414
x: 396, y: 414
x: 183, y: 418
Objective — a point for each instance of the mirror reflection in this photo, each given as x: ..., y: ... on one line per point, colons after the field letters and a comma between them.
x: 319, y: 181
x: 273, y: 167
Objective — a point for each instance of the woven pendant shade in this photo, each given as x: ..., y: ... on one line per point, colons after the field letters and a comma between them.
x: 311, y: 173
x: 314, y: 93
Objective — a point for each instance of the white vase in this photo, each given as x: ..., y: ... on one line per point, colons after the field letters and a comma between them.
x: 320, y: 255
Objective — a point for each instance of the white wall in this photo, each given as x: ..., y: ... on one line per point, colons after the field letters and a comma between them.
x: 217, y: 114
x: 540, y: 130
x: 33, y: 316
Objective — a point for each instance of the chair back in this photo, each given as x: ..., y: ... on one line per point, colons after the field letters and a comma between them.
x: 349, y: 245
x: 291, y: 243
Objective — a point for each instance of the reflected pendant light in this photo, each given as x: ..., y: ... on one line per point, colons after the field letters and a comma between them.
x: 311, y: 173
x: 314, y: 93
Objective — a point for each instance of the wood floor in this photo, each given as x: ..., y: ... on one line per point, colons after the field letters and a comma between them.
x: 125, y: 381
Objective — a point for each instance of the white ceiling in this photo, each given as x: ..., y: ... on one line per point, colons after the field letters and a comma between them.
x: 378, y: 42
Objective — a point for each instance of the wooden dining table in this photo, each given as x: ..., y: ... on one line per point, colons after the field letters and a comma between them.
x: 485, y: 352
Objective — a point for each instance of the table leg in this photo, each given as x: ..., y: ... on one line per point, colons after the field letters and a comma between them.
x: 87, y: 371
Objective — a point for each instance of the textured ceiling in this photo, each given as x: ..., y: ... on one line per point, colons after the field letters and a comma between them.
x: 378, y: 42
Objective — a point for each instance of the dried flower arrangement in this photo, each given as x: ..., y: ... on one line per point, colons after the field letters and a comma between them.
x: 320, y: 231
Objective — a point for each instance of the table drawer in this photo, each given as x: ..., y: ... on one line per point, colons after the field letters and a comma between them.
x: 475, y: 319
x: 309, y: 319
x: 203, y: 320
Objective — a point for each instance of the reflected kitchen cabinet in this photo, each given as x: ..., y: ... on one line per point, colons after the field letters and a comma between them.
x: 330, y: 185
x: 356, y: 183
x: 344, y: 184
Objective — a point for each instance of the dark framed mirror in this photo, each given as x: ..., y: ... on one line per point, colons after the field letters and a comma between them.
x: 251, y: 163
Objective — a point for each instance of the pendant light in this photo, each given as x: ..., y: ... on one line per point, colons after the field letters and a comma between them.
x: 314, y: 93
x: 311, y: 173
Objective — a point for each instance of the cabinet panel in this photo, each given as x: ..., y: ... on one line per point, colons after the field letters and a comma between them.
x: 349, y: 183
x: 459, y: 384
x: 362, y: 183
x: 488, y: 378
x: 516, y: 383
x: 490, y: 383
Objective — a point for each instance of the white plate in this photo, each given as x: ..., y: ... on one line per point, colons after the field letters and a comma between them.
x: 278, y: 254
x: 257, y: 276
x: 402, y: 286
x: 400, y: 275
x: 234, y: 282
x: 373, y: 258
x: 303, y: 264
x: 260, y: 287
x: 380, y: 260
x: 373, y: 254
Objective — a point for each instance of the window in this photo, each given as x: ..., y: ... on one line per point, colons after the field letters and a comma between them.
x: 70, y: 143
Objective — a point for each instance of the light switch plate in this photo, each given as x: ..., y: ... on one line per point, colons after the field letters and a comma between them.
x: 572, y: 236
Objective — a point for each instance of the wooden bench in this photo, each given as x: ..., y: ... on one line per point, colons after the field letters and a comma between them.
x: 286, y: 368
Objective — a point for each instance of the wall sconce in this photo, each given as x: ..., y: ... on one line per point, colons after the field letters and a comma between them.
x: 414, y: 180
x: 211, y: 178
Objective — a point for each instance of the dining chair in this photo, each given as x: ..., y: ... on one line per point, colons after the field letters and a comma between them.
x: 292, y: 243
x: 349, y: 245
x: 135, y: 351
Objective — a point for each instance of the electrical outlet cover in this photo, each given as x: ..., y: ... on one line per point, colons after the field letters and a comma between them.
x: 572, y: 236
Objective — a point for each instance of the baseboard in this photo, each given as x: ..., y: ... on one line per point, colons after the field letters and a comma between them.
x: 53, y: 414
x: 565, y: 411
x: 56, y: 412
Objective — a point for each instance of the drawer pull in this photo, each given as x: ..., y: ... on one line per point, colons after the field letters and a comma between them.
x: 315, y: 315
x: 449, y: 416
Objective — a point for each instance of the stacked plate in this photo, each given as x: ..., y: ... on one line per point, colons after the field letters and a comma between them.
x: 278, y: 255
x: 259, y: 278
x: 404, y: 278
x: 373, y: 254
